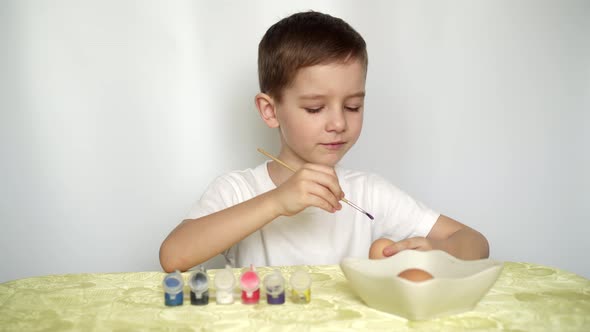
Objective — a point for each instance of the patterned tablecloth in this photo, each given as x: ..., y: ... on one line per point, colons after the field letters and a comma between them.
x: 526, y: 297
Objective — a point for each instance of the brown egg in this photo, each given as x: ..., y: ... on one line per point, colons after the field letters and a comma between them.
x: 376, y: 250
x: 415, y: 275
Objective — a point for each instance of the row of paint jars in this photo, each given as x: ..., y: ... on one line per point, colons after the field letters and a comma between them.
x: 225, y: 282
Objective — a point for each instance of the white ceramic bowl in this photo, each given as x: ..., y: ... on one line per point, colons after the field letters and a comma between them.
x: 457, y: 285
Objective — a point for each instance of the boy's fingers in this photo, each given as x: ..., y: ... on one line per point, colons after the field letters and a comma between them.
x: 411, y: 243
x: 321, y: 203
x: 325, y: 194
x: 329, y: 181
x: 389, y: 250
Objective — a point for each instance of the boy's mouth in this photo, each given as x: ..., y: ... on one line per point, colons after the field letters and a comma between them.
x: 333, y: 145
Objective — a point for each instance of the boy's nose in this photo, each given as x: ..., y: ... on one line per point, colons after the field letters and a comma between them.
x: 336, y: 121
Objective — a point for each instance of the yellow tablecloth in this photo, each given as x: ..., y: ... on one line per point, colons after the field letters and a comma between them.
x: 526, y: 297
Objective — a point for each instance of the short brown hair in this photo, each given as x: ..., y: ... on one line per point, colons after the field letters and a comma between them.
x: 302, y: 40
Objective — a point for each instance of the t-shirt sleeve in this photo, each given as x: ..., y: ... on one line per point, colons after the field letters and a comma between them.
x: 217, y: 196
x: 400, y: 216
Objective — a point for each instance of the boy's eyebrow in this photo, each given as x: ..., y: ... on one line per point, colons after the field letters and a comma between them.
x: 318, y: 96
x: 311, y: 97
x: 358, y: 94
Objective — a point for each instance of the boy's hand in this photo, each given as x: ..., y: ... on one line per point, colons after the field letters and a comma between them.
x: 312, y: 185
x: 417, y: 243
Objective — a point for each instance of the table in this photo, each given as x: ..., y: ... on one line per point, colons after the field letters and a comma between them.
x: 526, y: 297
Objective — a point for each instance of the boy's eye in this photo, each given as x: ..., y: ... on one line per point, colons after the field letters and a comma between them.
x: 312, y: 110
x: 352, y: 109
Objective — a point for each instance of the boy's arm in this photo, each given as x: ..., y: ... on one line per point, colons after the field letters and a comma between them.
x: 458, y: 239
x: 195, y: 241
x: 449, y: 235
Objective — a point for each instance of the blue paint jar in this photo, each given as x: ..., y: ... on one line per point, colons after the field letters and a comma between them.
x: 173, y: 285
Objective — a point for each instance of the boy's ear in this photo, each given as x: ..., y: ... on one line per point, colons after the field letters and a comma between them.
x: 266, y: 107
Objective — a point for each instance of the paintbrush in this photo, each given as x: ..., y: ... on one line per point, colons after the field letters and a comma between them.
x: 293, y: 170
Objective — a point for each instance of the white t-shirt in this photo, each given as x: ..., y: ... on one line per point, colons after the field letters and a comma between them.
x: 315, y: 236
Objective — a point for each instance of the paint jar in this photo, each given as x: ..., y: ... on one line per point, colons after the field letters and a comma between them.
x: 300, y: 286
x: 274, y: 285
x: 250, y: 284
x: 224, y: 286
x: 199, y: 283
x: 173, y: 284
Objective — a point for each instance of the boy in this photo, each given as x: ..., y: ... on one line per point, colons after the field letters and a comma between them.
x: 312, y: 69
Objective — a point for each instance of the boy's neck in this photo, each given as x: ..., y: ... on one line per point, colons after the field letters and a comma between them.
x: 278, y: 174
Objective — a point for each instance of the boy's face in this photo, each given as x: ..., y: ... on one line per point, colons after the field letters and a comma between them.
x: 321, y: 114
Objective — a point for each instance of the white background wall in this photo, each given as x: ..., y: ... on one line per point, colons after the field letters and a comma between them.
x: 115, y: 115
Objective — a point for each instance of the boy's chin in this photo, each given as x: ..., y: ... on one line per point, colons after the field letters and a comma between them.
x: 327, y: 160
x: 321, y: 157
